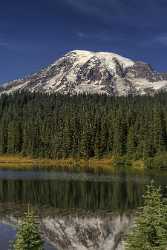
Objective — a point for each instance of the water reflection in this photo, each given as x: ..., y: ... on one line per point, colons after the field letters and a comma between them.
x: 120, y: 191
x: 75, y: 206
x: 71, y: 230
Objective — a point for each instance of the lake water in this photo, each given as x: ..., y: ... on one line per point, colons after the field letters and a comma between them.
x: 77, y: 211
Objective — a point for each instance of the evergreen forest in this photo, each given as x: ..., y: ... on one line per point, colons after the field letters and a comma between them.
x: 84, y: 126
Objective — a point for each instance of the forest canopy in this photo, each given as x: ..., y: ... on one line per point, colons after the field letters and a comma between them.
x: 83, y: 126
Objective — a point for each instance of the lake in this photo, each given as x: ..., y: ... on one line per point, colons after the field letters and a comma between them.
x: 76, y: 210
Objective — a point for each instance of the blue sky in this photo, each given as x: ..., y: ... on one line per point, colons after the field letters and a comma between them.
x: 35, y: 33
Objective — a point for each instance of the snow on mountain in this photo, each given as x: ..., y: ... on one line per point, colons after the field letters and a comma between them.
x: 92, y: 72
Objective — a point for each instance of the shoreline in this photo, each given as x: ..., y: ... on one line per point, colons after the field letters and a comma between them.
x: 21, y: 162
x: 25, y: 161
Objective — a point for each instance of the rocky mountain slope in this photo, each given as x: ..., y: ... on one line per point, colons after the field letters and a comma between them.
x: 92, y: 72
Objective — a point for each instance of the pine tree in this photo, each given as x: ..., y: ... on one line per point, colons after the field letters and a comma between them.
x: 150, y: 229
x: 28, y: 235
x: 131, y: 142
x: 57, y: 126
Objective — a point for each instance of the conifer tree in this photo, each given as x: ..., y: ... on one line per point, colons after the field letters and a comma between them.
x: 150, y: 229
x: 131, y: 142
x: 57, y: 126
x: 28, y: 235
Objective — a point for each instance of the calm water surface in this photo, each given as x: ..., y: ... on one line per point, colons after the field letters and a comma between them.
x: 72, y: 207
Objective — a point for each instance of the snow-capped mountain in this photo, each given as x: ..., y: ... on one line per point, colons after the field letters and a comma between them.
x: 92, y: 72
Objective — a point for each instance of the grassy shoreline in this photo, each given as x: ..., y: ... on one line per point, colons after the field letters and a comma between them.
x: 27, y: 162
x: 20, y: 162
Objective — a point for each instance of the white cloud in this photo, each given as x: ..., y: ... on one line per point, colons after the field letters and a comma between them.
x: 84, y: 6
x: 104, y: 36
x: 158, y: 40
x: 3, y: 44
x: 107, y: 8
x: 82, y: 35
x: 104, y: 9
x: 162, y: 39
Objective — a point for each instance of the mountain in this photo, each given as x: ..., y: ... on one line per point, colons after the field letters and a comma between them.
x: 92, y: 72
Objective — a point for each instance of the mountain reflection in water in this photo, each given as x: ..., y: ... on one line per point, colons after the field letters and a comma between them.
x: 76, y: 211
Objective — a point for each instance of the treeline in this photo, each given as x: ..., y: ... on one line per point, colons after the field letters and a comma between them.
x: 56, y: 126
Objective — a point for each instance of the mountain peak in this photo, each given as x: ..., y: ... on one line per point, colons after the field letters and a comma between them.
x: 81, y: 71
x: 107, y: 56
